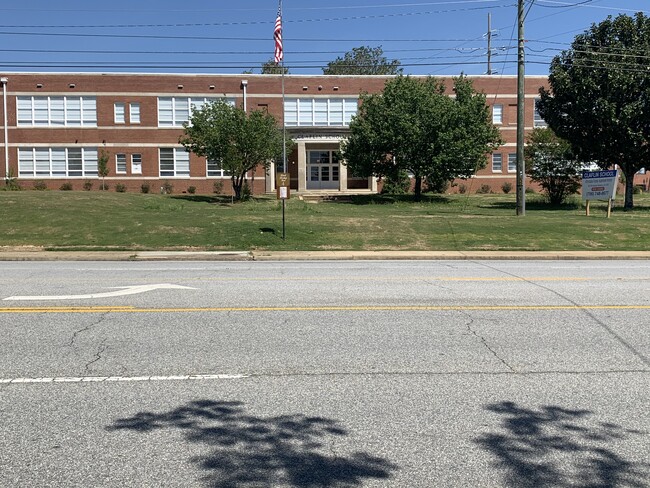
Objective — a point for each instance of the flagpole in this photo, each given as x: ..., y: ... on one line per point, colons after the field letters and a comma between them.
x: 284, y: 125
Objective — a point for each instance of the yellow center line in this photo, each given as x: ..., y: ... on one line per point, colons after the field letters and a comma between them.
x: 347, y: 308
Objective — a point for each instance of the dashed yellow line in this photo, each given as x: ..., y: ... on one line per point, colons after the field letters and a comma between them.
x: 350, y: 308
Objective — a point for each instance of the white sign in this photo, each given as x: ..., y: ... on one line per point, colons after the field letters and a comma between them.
x: 599, y: 185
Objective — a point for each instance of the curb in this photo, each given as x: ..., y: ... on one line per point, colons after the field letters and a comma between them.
x: 38, y: 255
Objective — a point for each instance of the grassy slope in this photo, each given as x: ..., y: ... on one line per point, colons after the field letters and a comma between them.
x: 104, y: 220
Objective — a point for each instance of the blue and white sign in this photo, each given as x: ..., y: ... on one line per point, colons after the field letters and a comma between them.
x: 599, y: 185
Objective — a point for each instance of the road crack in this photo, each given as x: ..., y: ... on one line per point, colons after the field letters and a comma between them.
x: 73, y: 339
x: 485, y: 342
x: 98, y: 355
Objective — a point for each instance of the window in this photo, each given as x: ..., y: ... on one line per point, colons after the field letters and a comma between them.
x: 134, y: 113
x: 174, y: 111
x: 512, y: 163
x: 136, y: 164
x: 497, y: 163
x: 497, y: 114
x: 120, y: 163
x: 120, y: 109
x: 55, y: 162
x: 319, y: 112
x: 174, y: 162
x: 214, y: 169
x: 56, y: 111
x: 538, y: 121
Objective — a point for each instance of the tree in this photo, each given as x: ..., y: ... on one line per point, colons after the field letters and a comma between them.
x: 102, y: 166
x: 364, y: 60
x: 412, y: 125
x: 550, y: 161
x: 240, y: 140
x: 270, y: 67
x: 599, y: 97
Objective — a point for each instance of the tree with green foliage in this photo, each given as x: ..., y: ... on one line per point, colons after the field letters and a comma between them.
x: 599, y: 97
x: 414, y: 126
x: 102, y: 166
x: 240, y: 140
x: 364, y: 60
x: 270, y: 67
x: 550, y: 161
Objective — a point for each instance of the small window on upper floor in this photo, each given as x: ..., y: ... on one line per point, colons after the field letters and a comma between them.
x: 497, y: 114
x: 497, y: 163
x: 134, y: 113
x: 120, y: 109
x: 538, y: 121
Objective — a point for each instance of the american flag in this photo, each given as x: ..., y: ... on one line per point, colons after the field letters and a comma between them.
x: 277, y: 36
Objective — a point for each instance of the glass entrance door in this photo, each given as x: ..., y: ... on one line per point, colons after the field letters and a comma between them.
x: 322, y: 170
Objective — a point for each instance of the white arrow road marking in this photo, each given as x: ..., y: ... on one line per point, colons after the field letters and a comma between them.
x: 122, y: 290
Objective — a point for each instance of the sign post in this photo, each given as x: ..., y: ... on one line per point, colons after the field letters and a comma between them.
x: 599, y: 185
x: 282, y: 185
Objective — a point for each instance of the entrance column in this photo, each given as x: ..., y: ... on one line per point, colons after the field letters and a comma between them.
x: 302, y: 166
x: 373, y: 184
x: 270, y: 178
x: 343, y: 176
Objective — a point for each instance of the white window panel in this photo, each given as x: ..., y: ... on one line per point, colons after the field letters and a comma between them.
x: 214, y: 169
x: 90, y: 162
x: 57, y: 111
x: 336, y: 111
x: 24, y: 106
x: 42, y: 161
x: 538, y: 121
x: 497, y: 114
x: 512, y: 162
x: 175, y: 111
x: 75, y: 162
x: 136, y: 164
x: 321, y: 109
x: 350, y: 107
x: 174, y: 162
x: 120, y: 111
x: 59, y: 167
x: 41, y: 111
x: 165, y: 112
x: 497, y: 163
x: 291, y: 112
x: 134, y: 113
x: 25, y: 162
x: 305, y: 112
x: 73, y: 112
x: 120, y: 163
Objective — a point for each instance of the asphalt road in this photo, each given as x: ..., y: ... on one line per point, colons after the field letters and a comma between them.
x: 311, y: 374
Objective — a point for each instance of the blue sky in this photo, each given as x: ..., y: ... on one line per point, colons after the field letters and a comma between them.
x: 436, y: 37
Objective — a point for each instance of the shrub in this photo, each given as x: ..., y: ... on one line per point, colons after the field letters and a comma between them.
x: 67, y: 186
x: 638, y: 189
x: 397, y: 184
x: 217, y: 187
x: 462, y: 188
x: 88, y: 185
x: 104, y: 186
x: 506, y: 187
x: 145, y: 187
x: 245, y: 191
x: 530, y: 190
x: 167, y: 188
x: 120, y: 188
x: 40, y: 185
x: 11, y: 182
x: 191, y: 190
x: 484, y: 189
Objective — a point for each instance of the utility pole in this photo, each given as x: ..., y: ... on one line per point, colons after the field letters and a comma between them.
x: 521, y: 170
x: 489, y: 41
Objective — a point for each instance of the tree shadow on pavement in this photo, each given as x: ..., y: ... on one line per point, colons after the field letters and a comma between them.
x: 557, y: 447
x: 248, y: 450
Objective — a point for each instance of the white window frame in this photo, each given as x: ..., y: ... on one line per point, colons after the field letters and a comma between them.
x: 512, y: 162
x: 136, y: 162
x: 213, y: 169
x: 120, y: 163
x: 177, y: 108
x: 180, y: 161
x: 497, y: 114
x: 538, y: 121
x: 134, y: 112
x: 56, y: 111
x: 497, y: 163
x: 119, y: 110
x: 55, y: 162
x: 302, y: 112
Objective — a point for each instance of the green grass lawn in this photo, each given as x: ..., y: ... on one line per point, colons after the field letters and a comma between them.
x: 130, y: 221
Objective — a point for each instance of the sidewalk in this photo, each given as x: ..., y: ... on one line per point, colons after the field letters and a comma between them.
x: 41, y: 255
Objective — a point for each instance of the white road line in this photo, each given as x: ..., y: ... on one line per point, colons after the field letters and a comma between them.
x: 122, y: 290
x: 102, y: 379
